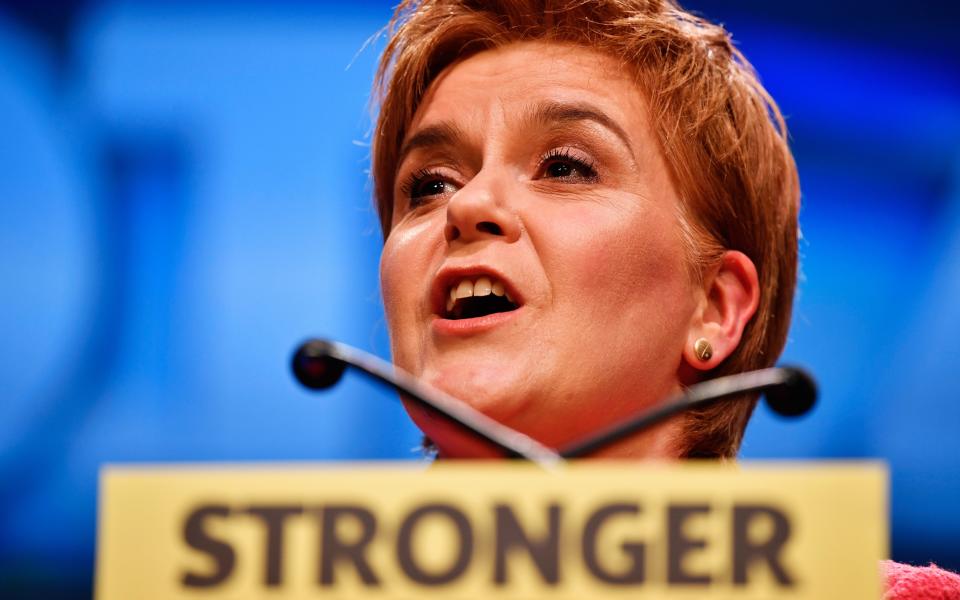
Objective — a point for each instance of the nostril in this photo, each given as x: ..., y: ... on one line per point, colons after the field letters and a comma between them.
x: 489, y: 227
x: 451, y: 232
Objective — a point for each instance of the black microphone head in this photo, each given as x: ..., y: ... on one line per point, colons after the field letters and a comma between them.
x: 314, y: 367
x: 795, y: 396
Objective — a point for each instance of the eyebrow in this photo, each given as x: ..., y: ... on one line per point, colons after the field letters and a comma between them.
x: 549, y: 113
x: 546, y: 113
x: 441, y: 134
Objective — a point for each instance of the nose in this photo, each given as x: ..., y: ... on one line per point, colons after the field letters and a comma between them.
x: 479, y: 211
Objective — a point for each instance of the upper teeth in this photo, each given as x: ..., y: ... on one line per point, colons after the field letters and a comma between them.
x: 482, y: 286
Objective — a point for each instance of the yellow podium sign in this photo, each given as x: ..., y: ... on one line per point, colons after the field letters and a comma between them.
x: 493, y: 530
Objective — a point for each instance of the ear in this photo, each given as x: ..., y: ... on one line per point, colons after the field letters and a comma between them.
x: 731, y: 296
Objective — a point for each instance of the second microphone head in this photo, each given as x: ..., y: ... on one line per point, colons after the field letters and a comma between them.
x: 795, y: 396
x: 315, y: 367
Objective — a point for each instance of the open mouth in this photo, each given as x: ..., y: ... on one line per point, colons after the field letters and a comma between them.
x: 471, y: 298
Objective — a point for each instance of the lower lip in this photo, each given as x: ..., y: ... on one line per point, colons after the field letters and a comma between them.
x: 462, y: 327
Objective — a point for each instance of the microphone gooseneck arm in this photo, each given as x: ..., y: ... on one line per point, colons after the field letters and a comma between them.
x: 319, y: 364
x: 789, y: 391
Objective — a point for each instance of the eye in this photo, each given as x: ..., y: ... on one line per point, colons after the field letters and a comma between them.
x: 564, y: 163
x: 425, y: 184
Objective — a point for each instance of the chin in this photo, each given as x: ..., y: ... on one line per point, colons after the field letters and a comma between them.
x: 493, y: 389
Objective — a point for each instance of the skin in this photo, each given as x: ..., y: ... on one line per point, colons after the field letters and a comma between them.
x: 548, y: 174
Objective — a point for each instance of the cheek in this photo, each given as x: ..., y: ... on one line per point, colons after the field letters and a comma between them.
x: 396, y: 267
x: 389, y: 276
x: 620, y: 259
x: 405, y: 274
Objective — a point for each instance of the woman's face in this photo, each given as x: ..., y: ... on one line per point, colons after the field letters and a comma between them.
x: 530, y: 178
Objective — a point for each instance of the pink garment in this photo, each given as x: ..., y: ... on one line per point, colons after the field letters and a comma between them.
x: 904, y: 582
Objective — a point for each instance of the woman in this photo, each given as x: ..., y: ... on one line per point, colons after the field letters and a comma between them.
x: 586, y: 206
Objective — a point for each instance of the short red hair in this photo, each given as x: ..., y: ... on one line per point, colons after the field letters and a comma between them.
x: 723, y: 137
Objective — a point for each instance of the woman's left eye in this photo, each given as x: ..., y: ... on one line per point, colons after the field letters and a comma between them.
x: 563, y: 164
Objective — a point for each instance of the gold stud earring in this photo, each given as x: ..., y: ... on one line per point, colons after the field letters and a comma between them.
x: 703, y: 349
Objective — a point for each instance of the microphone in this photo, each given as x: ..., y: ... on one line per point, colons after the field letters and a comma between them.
x: 789, y: 391
x: 319, y: 364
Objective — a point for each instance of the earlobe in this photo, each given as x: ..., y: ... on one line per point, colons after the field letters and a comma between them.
x: 731, y: 296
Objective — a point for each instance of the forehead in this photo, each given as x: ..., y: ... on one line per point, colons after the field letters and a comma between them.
x: 492, y: 85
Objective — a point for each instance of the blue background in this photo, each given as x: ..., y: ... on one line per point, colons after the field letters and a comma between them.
x: 184, y: 198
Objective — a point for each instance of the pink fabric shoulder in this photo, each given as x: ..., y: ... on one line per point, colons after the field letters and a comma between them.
x: 904, y: 582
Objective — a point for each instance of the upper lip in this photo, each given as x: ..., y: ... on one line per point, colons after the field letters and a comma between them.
x: 449, y: 275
